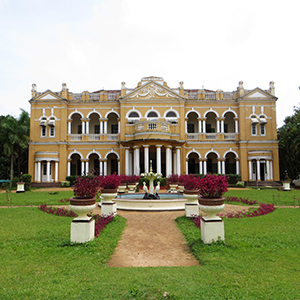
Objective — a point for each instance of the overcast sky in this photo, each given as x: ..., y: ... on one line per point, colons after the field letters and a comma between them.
x: 95, y: 44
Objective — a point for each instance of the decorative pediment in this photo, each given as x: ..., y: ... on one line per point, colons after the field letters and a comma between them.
x: 48, y: 95
x: 153, y: 90
x: 258, y: 94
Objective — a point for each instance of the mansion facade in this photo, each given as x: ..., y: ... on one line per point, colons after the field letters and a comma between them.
x: 182, y: 131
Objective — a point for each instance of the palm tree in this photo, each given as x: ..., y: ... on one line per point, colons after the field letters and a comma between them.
x: 14, y: 136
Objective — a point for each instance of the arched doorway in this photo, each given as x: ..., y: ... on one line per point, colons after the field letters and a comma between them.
x: 193, y: 163
x: 212, y: 163
x: 112, y: 164
x: 94, y: 165
x: 230, y: 163
x: 75, y: 164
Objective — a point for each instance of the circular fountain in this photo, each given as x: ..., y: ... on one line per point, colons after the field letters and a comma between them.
x: 151, y: 200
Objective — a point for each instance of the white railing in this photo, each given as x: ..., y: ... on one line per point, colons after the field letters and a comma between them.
x: 229, y: 136
x: 94, y: 137
x: 194, y: 136
x: 76, y: 137
x: 211, y: 136
x: 112, y: 137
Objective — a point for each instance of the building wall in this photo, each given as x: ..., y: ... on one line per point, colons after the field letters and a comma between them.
x: 212, y: 131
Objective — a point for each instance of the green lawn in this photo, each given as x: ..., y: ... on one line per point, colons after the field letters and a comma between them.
x: 272, y: 196
x: 260, y: 260
x: 34, y: 198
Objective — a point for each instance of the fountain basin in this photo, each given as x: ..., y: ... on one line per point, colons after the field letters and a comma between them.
x: 165, y: 203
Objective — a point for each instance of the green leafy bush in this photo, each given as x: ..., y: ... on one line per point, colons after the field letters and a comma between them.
x: 71, y: 179
x: 233, y: 178
x: 240, y: 184
x: 65, y: 183
x: 27, y: 179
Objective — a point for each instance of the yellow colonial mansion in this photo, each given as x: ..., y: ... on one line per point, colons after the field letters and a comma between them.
x: 180, y: 130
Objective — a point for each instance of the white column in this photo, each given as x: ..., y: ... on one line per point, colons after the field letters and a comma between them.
x: 105, y: 168
x: 200, y: 167
x: 257, y: 170
x: 237, y: 166
x: 158, y: 158
x: 204, y: 126
x: 218, y: 126
x: 174, y: 161
x: 48, y: 171
x: 35, y: 171
x: 105, y: 127
x: 185, y: 126
x: 82, y: 167
x: 83, y: 127
x: 250, y: 170
x: 199, y: 125
x: 69, y: 127
x: 69, y: 168
x: 119, y: 167
x: 168, y: 161
x: 119, y: 127
x: 130, y: 163
x: 187, y: 167
x: 146, y: 158
x: 100, y: 167
x: 136, y: 160
x: 219, y: 167
x: 268, y: 169
x: 56, y: 172
x: 222, y: 126
x: 127, y: 162
x: 271, y: 169
x: 39, y: 171
x: 223, y: 167
x: 87, y: 168
x: 178, y: 161
x: 87, y: 127
x: 205, y: 167
x: 236, y: 126
x: 101, y: 127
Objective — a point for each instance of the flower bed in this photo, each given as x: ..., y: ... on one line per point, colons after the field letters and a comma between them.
x: 100, y: 221
x: 240, y: 200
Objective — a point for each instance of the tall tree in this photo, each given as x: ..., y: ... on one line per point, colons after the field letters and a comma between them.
x: 14, y: 136
x: 289, y: 145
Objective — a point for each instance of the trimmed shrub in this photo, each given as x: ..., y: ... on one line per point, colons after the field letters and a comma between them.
x: 72, y: 179
x: 65, y: 183
x: 233, y: 178
x: 27, y: 179
x: 240, y: 184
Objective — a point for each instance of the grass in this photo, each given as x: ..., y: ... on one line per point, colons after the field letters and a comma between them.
x: 273, y: 196
x: 260, y: 260
x: 34, y: 198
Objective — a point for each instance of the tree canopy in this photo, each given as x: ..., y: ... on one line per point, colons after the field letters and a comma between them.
x: 14, y: 136
x: 289, y: 145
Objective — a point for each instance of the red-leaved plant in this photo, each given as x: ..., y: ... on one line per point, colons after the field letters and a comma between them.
x: 110, y: 181
x: 191, y: 182
x: 213, y: 186
x: 174, y: 178
x: 86, y: 187
x: 133, y: 178
x: 124, y: 178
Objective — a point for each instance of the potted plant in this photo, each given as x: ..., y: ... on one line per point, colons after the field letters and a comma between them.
x: 132, y: 182
x: 173, y: 182
x: 123, y: 183
x: 109, y: 186
x: 191, y: 185
x: 85, y: 191
x: 211, y: 189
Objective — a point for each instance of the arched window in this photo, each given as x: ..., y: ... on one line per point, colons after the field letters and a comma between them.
x: 171, y: 114
x: 152, y: 114
x: 133, y: 115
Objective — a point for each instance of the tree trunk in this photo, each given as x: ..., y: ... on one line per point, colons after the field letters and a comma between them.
x: 11, y: 169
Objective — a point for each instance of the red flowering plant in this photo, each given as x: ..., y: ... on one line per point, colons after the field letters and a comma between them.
x: 124, y: 178
x: 174, y: 178
x: 86, y: 187
x: 110, y: 181
x: 191, y: 182
x: 213, y: 186
x: 133, y: 178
